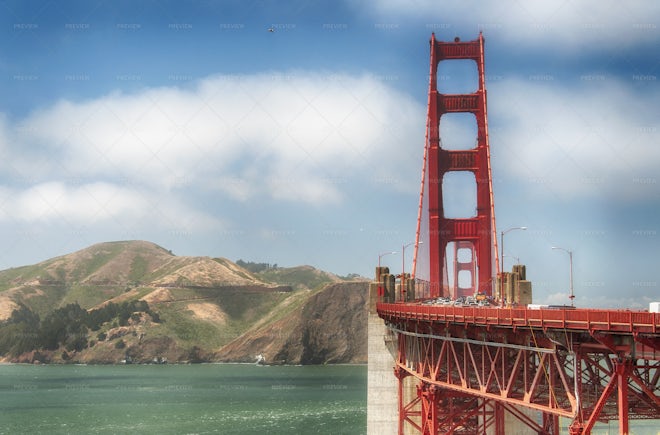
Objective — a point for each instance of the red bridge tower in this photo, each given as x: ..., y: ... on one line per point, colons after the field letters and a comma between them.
x: 476, y: 233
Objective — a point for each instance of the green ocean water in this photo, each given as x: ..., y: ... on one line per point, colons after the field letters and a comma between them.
x: 183, y: 399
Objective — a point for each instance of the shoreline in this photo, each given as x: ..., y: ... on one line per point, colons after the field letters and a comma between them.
x: 5, y: 363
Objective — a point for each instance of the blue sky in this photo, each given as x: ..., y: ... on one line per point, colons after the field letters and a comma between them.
x: 192, y: 126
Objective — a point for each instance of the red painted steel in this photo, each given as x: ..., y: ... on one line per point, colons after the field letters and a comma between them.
x: 480, y: 229
x: 590, y: 320
x: 469, y: 266
x: 473, y: 365
x: 567, y: 363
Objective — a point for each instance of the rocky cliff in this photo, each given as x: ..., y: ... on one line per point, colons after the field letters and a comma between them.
x: 330, y: 327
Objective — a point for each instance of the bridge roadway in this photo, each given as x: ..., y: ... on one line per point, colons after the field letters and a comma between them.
x: 613, y: 321
x: 587, y: 365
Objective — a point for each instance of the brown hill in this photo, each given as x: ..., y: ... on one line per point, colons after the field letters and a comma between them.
x: 204, y: 307
x: 106, y: 271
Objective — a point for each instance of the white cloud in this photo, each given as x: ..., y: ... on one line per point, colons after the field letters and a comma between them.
x: 566, y: 25
x: 598, y: 140
x: 283, y: 136
x: 554, y: 299
x: 98, y: 203
x: 55, y: 200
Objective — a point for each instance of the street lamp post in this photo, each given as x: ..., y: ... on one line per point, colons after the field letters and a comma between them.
x: 570, y: 257
x: 384, y: 254
x: 403, y: 257
x: 502, y: 263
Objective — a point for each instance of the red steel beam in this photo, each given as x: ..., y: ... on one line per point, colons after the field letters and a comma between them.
x: 611, y: 321
x: 530, y: 368
x: 480, y: 228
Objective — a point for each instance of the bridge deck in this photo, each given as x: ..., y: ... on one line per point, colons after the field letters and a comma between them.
x: 593, y: 320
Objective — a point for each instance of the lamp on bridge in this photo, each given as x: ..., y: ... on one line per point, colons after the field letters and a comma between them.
x: 403, y: 257
x: 502, y: 264
x: 384, y: 254
x: 570, y: 257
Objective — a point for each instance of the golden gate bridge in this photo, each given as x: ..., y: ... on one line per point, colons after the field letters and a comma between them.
x: 493, y: 362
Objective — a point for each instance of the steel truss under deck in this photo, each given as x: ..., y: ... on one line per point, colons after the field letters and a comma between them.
x: 468, y: 375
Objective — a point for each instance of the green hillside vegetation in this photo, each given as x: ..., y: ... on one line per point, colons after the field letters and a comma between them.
x: 66, y: 327
x: 136, y: 301
x: 241, y: 309
x: 305, y: 277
